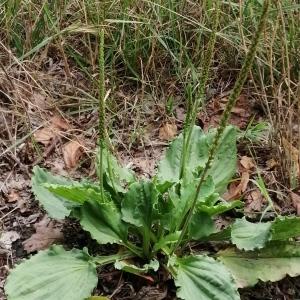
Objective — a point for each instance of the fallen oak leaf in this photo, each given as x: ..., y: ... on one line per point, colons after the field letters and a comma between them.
x: 244, y: 181
x: 254, y: 201
x: 56, y: 126
x: 60, y: 123
x: 236, y: 189
x: 240, y: 116
x: 167, y: 132
x: 247, y: 162
x: 45, y: 135
x: 72, y: 152
x: 46, y: 234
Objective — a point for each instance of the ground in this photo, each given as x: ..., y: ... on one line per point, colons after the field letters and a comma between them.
x: 49, y: 113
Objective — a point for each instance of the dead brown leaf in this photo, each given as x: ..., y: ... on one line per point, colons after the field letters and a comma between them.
x: 60, y: 123
x: 236, y: 189
x: 167, y: 132
x: 271, y: 163
x: 247, y: 162
x: 45, y: 135
x: 244, y: 181
x: 296, y: 202
x: 254, y: 201
x: 22, y: 205
x: 46, y: 234
x: 56, y: 125
x: 39, y: 100
x: 13, y: 196
x: 240, y: 116
x: 72, y: 152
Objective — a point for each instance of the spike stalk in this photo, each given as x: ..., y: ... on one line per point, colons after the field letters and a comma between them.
x: 235, y: 93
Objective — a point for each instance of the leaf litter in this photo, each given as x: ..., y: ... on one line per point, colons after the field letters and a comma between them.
x: 167, y: 132
x: 7, y: 238
x: 238, y: 187
x: 57, y: 125
x: 72, y: 152
x: 240, y: 116
x: 47, y: 233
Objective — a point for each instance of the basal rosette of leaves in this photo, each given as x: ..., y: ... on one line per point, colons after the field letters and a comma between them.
x: 145, y: 217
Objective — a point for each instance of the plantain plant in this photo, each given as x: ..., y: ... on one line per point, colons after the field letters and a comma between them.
x: 154, y: 220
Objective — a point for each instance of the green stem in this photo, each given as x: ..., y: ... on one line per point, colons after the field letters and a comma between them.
x: 154, y: 239
x: 187, y: 121
x: 106, y: 260
x: 101, y: 107
x: 146, y: 242
x: 111, y: 175
x: 236, y: 91
x: 134, y: 249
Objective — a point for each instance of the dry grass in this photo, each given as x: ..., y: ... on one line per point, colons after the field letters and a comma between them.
x: 153, y: 53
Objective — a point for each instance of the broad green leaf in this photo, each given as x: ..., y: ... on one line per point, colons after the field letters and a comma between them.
x: 130, y: 268
x: 284, y: 228
x: 201, y: 225
x: 171, y: 238
x: 173, y: 210
x: 271, y: 263
x: 168, y: 216
x: 169, y: 166
x: 201, y: 277
x: 219, y: 208
x: 223, y: 235
x: 77, y: 192
x: 163, y: 187
x: 179, y: 205
x: 225, y: 161
x: 103, y: 221
x: 139, y: 206
x: 116, y: 176
x: 249, y: 236
x: 207, y: 192
x: 53, y: 274
x: 223, y: 165
x: 56, y: 206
